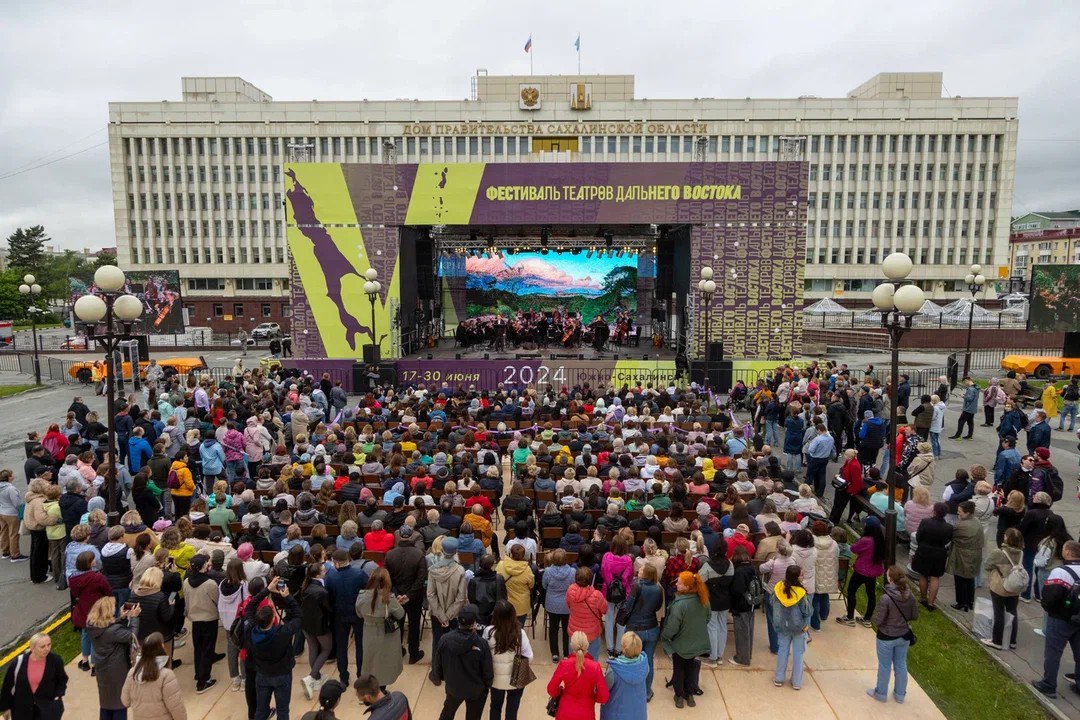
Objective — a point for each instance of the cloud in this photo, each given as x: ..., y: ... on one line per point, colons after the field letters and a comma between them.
x: 530, y: 271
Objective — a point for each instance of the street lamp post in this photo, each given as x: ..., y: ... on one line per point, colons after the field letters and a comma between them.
x: 707, y: 288
x: 898, y: 304
x: 110, y: 304
x: 975, y: 281
x: 31, y: 289
x: 371, y: 289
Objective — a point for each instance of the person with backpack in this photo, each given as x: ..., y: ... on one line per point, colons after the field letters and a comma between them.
x: 894, y: 635
x: 1060, y: 600
x: 486, y: 587
x: 1033, y: 528
x: 1044, y: 470
x: 269, y: 642
x: 1007, y: 577
x: 685, y: 636
x: 717, y: 575
x: 791, y: 617
x: 616, y: 573
x: 747, y: 593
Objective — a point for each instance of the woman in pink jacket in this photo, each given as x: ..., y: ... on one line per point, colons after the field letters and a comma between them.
x: 616, y: 564
x: 587, y: 608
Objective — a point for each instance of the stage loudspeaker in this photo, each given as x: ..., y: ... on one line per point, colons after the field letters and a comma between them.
x: 387, y: 374
x: 425, y: 267
x: 372, y: 354
x: 665, y: 265
x: 717, y: 376
x: 714, y: 352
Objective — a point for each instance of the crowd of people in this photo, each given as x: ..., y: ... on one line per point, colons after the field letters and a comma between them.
x: 270, y: 517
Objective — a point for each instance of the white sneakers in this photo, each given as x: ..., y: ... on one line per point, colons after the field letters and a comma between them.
x: 311, y: 685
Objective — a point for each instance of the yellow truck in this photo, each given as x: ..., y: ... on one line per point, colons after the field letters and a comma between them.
x: 1042, y: 366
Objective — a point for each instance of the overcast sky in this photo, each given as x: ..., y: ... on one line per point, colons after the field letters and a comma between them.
x: 63, y: 62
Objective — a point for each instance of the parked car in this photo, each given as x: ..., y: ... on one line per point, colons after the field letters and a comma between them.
x: 265, y: 331
x: 1041, y: 366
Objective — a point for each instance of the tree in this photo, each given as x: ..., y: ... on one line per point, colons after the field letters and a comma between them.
x: 12, y: 302
x: 55, y: 280
x: 105, y: 257
x: 26, y: 249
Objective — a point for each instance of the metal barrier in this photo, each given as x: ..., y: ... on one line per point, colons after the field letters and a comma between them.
x: 856, y: 320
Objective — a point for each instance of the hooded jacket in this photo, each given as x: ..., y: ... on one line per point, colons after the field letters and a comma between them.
x: 826, y: 565
x: 272, y: 649
x: 159, y: 699
x: 806, y: 558
x: 519, y: 583
x: 183, y: 474
x: 556, y: 580
x: 587, y: 608
x: 200, y: 597
x: 463, y: 660
x: 447, y: 589
x: 791, y: 613
x: 626, y: 680
x: 213, y: 457
x: 579, y: 693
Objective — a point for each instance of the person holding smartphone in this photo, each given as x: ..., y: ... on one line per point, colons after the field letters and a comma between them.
x: 269, y: 644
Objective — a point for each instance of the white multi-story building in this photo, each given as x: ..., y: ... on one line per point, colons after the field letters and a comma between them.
x: 893, y: 166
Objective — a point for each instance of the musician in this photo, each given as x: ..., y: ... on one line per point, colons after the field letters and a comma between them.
x: 622, y: 327
x: 600, y: 332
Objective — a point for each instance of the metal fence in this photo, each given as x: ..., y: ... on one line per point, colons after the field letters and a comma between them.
x: 53, y: 342
x: 859, y: 321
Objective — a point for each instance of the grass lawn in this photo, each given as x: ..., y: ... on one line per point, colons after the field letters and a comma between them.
x: 65, y: 643
x: 9, y: 390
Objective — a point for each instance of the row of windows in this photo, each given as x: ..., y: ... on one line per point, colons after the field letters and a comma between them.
x: 211, y: 201
x: 948, y: 256
x: 201, y: 228
x: 188, y: 173
x: 905, y: 143
x: 873, y: 201
x: 218, y: 309
x: 511, y: 145
x: 207, y: 256
x: 914, y: 170
x: 240, y: 283
x: 903, y: 228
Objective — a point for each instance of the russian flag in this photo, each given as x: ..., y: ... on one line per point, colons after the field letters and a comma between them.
x: 528, y: 44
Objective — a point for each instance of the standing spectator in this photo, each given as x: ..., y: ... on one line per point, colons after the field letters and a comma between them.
x: 447, y: 590
x: 686, y: 636
x: 1033, y: 528
x: 1070, y: 399
x: 463, y: 660
x: 992, y: 396
x: 616, y: 572
x: 36, y: 520
x: 587, y: 607
x: 507, y: 640
x: 626, y: 680
x: 968, y: 410
x: 717, y: 575
x: 485, y: 587
x: 408, y: 571
x: 200, y: 607
x: 791, y: 617
x: 1038, y: 433
x: 269, y: 644
x: 819, y: 452
x: 151, y: 689
x: 35, y: 684
x: 745, y: 580
x: 965, y: 556
x: 869, y: 551
x: 315, y: 615
x: 826, y: 572
x: 578, y: 682
x: 557, y: 579
x: 345, y: 581
x: 111, y: 640
x: 185, y: 484
x: 519, y: 581
x: 139, y: 450
x: 854, y: 485
x: 87, y: 586
x: 381, y: 705
x: 645, y: 603
x: 1060, y: 630
x: 937, y: 423
x: 9, y: 517
x: 998, y: 566
x: 379, y: 607
x: 893, y: 621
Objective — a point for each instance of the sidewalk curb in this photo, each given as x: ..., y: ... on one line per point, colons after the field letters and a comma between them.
x: 1047, y: 704
x: 36, y: 388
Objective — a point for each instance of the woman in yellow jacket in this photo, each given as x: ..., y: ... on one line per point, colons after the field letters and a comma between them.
x: 182, y: 495
x: 519, y: 581
x: 1050, y: 401
x: 180, y: 552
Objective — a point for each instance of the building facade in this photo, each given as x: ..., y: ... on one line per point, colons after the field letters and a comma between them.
x: 1043, y: 238
x: 893, y: 166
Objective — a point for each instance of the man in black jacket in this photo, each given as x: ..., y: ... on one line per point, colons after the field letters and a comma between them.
x: 269, y: 644
x: 408, y: 574
x: 463, y: 660
x: 1060, y: 629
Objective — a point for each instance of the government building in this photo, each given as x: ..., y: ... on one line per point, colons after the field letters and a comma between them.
x: 198, y: 186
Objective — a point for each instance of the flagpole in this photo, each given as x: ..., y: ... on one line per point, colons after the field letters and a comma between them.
x: 578, y: 45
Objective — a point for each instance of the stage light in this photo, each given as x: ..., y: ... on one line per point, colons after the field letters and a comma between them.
x: 543, y: 251
x: 589, y: 254
x: 511, y: 251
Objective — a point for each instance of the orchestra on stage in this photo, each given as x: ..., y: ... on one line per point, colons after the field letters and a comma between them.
x: 543, y: 329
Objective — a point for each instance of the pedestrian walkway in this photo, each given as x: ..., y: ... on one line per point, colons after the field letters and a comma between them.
x: 841, y: 664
